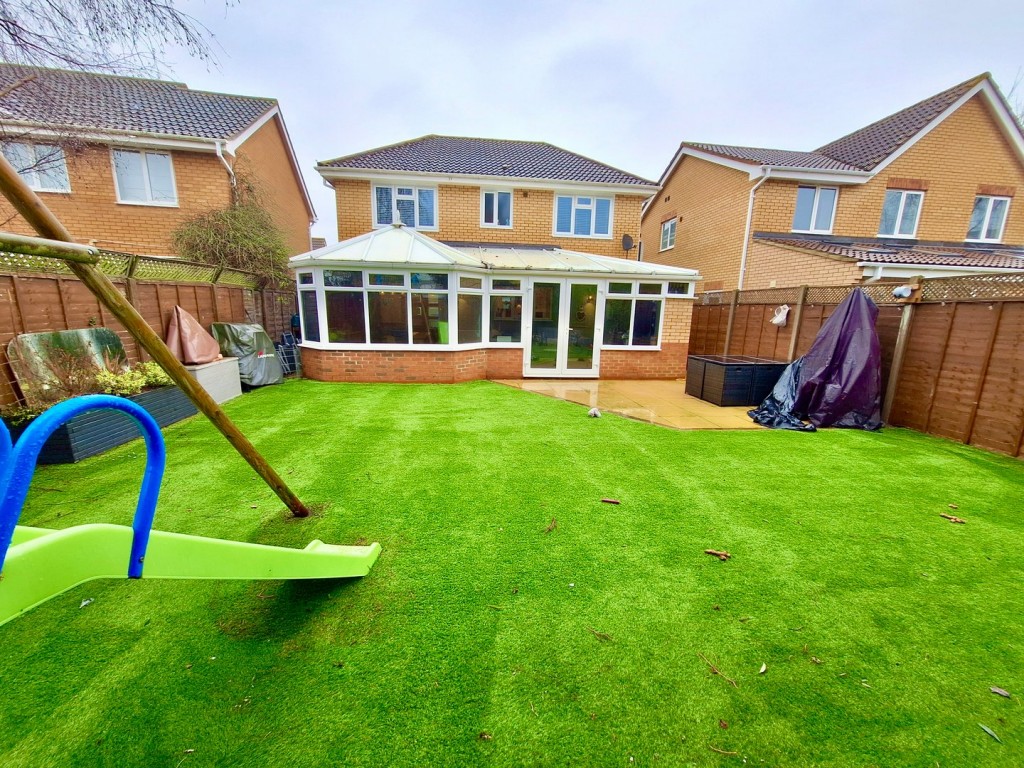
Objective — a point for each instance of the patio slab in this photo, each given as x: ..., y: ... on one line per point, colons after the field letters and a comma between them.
x: 654, y: 401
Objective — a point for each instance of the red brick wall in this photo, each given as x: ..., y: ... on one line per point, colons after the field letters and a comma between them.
x: 669, y: 363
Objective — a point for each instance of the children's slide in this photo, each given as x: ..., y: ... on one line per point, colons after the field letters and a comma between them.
x: 38, y: 563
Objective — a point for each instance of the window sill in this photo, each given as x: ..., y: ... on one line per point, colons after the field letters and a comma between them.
x: 148, y: 204
x: 983, y: 240
x: 626, y: 348
x: 812, y: 232
x: 414, y: 229
x: 898, y: 237
x: 52, y: 191
x: 670, y: 248
x: 582, y: 237
x: 495, y: 226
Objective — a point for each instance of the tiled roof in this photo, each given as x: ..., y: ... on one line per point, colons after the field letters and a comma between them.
x: 107, y: 102
x: 780, y: 157
x: 454, y: 155
x: 885, y: 253
x: 869, y: 146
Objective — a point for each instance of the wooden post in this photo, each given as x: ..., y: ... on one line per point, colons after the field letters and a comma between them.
x: 28, y: 204
x: 798, y: 315
x: 902, y: 339
x: 732, y: 316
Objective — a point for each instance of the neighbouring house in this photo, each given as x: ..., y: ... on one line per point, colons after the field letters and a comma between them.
x: 926, y: 191
x: 477, y: 258
x: 124, y: 161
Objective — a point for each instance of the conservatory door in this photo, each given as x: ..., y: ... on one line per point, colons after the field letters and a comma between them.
x: 563, y: 329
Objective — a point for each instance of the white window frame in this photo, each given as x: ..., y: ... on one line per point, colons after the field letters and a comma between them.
x: 632, y: 297
x: 511, y: 205
x: 668, y: 228
x: 394, y: 205
x: 814, y: 210
x: 145, y: 179
x: 899, y: 213
x: 592, y: 207
x: 31, y: 175
x: 988, y: 217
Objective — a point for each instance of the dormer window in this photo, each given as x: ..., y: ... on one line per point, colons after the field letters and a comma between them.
x: 42, y: 166
x: 415, y: 207
x: 815, y: 209
x: 900, y: 213
x: 988, y: 219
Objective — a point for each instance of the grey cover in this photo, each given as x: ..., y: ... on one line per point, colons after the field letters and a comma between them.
x: 258, y: 364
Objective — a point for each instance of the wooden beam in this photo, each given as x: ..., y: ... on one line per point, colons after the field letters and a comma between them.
x: 28, y: 204
x: 798, y: 316
x: 902, y: 339
x: 732, y: 317
x: 50, y: 249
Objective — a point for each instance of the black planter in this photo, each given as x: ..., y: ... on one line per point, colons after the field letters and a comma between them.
x: 96, y: 431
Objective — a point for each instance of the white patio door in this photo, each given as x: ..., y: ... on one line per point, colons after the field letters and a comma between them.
x: 563, y: 328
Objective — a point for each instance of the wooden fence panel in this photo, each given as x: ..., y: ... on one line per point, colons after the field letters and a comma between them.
x: 999, y: 422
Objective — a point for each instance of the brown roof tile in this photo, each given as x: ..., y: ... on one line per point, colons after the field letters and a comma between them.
x: 775, y: 157
x: 885, y: 253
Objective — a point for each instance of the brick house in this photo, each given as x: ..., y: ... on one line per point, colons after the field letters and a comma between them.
x: 124, y: 161
x: 926, y: 191
x: 467, y: 258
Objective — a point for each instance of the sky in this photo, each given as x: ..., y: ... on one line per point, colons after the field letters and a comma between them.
x: 620, y: 82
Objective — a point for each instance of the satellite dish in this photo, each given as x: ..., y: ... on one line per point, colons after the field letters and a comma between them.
x: 627, y: 243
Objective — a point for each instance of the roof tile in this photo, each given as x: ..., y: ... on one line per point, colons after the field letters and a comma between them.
x: 997, y: 257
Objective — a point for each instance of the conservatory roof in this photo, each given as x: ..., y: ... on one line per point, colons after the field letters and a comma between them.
x: 398, y: 246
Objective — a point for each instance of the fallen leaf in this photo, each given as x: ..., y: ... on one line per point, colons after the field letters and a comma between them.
x: 745, y: 619
x: 551, y: 526
x: 721, y: 555
x: 253, y: 506
x: 954, y: 506
x: 1000, y: 692
x: 815, y: 659
x: 722, y: 724
x: 604, y: 637
x: 610, y: 501
x: 485, y: 736
x: 990, y: 732
x: 496, y: 607
x: 764, y: 668
x: 86, y: 602
x: 952, y: 518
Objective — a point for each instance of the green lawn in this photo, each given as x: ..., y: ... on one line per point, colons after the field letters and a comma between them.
x: 480, y: 639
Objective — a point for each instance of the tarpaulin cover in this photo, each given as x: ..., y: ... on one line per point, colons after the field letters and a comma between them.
x: 257, y: 360
x: 189, y: 341
x: 838, y: 383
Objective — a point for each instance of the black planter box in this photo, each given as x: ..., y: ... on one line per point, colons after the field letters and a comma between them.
x: 731, y: 379
x: 93, y: 432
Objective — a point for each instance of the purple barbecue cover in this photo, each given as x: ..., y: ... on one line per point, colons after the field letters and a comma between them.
x: 838, y: 383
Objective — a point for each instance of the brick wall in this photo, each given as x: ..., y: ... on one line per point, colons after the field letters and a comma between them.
x: 709, y: 202
x: 772, y: 266
x: 459, y: 218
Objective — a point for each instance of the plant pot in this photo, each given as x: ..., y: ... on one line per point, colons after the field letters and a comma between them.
x: 93, y: 432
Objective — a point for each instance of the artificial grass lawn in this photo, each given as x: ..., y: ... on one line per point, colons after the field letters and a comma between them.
x: 480, y: 639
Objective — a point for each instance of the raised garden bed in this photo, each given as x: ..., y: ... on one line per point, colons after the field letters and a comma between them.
x: 96, y: 431
x: 730, y: 380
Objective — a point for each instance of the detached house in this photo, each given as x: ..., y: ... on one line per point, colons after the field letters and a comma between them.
x: 123, y: 161
x: 467, y: 258
x: 927, y: 191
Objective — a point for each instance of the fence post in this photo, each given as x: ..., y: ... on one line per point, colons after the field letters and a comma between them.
x: 732, y: 316
x: 902, y: 339
x: 797, y: 317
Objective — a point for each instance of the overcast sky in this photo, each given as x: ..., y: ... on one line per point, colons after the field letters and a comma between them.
x: 621, y: 82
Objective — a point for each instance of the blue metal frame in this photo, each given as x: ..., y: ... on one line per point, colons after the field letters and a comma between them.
x: 17, y: 465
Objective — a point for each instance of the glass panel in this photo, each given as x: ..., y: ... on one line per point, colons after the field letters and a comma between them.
x: 504, y: 285
x: 620, y: 287
x: 506, y: 318
x: 407, y: 191
x: 488, y: 207
x: 977, y: 218
x: 911, y: 206
x: 377, y: 279
x: 616, y: 321
x: 583, y: 220
x: 342, y: 278
x: 668, y: 234
x: 504, y: 209
x: 21, y: 157
x: 161, y: 178
x: 345, y: 322
x: 52, y: 168
x: 679, y: 288
x: 544, y: 345
x: 996, y: 218
x: 563, y: 215
x: 582, y: 201
x: 471, y: 282
x: 310, y: 316
x: 890, y: 210
x: 471, y: 311
x: 384, y: 212
x: 389, y: 321
x: 426, y: 208
x: 128, y: 168
x: 651, y: 289
x: 407, y: 211
x: 305, y: 278
x: 826, y: 206
x: 602, y: 216
x: 583, y: 305
x: 435, y: 281
x: 804, y: 207
x: 645, y: 323
x: 430, y: 318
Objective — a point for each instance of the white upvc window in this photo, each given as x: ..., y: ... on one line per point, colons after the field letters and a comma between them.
x: 496, y: 208
x: 988, y: 219
x: 583, y: 216
x: 415, y: 207
x: 633, y: 313
x: 815, y: 209
x: 42, y: 166
x: 668, y: 234
x: 144, y: 178
x: 900, y: 213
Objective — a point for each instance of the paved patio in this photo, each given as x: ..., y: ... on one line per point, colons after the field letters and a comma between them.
x: 658, y: 402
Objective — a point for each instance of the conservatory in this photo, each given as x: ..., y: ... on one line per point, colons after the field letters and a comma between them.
x: 396, y: 305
